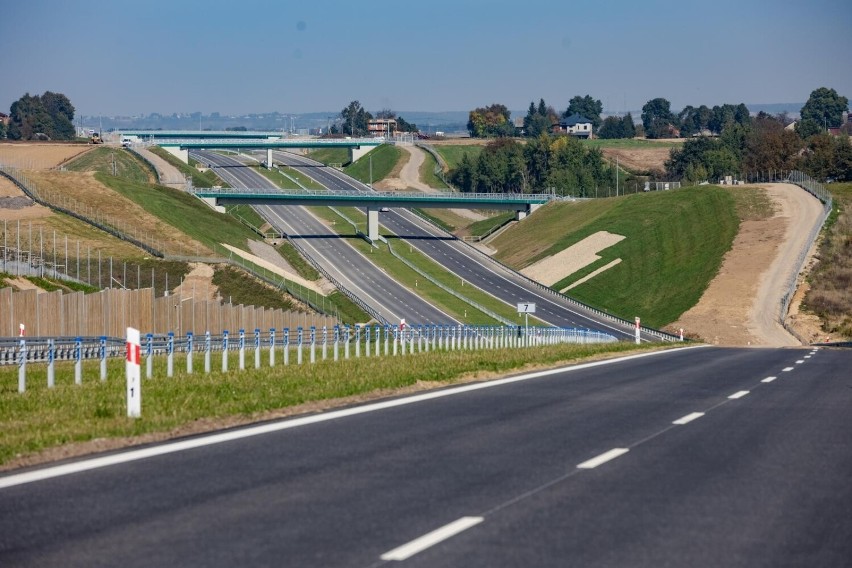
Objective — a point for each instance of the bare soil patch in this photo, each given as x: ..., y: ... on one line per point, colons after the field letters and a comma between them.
x: 741, y: 306
x: 30, y: 156
x: 198, y: 283
x: 639, y: 159
x: 554, y: 268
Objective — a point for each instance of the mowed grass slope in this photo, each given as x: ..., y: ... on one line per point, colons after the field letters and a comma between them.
x: 674, y: 245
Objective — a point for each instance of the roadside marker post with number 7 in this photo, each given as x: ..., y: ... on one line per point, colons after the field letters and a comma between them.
x: 132, y: 366
x: 526, y: 308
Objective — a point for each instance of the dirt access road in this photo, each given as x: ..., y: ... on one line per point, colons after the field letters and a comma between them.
x: 742, y: 305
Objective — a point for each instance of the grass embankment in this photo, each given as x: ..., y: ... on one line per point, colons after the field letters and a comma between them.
x: 304, y: 268
x: 427, y: 172
x: 453, y: 154
x: 330, y: 156
x: 182, y: 211
x: 207, y: 178
x: 830, y: 294
x: 674, y: 245
x: 45, y: 418
x: 237, y: 289
x: 116, y: 162
x: 384, y: 159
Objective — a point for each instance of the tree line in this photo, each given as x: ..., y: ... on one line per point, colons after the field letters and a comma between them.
x: 40, y: 117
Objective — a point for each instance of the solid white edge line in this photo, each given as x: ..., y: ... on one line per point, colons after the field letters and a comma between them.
x: 688, y: 418
x: 603, y: 458
x: 739, y: 394
x: 431, y: 539
x: 172, y: 447
x: 768, y: 379
x: 787, y: 369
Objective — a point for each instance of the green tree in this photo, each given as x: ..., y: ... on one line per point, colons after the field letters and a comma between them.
x: 657, y: 119
x: 491, y: 121
x: 628, y: 128
x: 50, y: 114
x: 587, y: 107
x: 611, y: 128
x: 825, y: 108
x: 769, y: 146
x: 538, y: 120
x: 354, y: 118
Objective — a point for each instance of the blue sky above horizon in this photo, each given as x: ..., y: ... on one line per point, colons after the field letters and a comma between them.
x: 122, y: 57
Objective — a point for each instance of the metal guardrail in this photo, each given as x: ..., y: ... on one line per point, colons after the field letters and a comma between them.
x: 305, y: 342
x: 817, y: 190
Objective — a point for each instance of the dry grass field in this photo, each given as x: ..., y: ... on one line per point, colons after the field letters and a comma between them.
x: 35, y: 156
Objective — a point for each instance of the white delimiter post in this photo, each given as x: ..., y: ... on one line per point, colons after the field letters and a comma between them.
x: 637, y: 330
x: 132, y: 366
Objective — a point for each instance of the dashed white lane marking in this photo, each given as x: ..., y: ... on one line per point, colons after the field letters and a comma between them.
x: 807, y: 356
x: 739, y: 394
x: 431, y: 539
x: 603, y: 458
x: 800, y: 361
x: 688, y: 418
x: 768, y: 379
x: 787, y: 369
x: 232, y: 435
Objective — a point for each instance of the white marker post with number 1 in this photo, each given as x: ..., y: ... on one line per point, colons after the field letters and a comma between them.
x: 134, y: 384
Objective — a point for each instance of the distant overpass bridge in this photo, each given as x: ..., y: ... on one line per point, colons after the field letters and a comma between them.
x: 522, y: 204
x: 180, y: 142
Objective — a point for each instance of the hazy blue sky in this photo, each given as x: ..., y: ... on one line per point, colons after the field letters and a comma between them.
x: 136, y: 57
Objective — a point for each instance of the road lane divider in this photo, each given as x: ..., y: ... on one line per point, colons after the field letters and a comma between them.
x: 768, y: 379
x: 688, y: 418
x: 787, y: 369
x: 420, y: 544
x: 603, y: 458
x: 738, y: 394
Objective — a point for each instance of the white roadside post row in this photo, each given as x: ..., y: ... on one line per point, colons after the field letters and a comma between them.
x: 405, y: 340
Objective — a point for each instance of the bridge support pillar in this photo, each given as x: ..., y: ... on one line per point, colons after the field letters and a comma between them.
x: 523, y: 213
x: 182, y: 155
x: 372, y: 224
x: 269, y: 158
x: 356, y: 152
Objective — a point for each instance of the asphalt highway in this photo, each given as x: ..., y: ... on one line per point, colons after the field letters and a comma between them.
x: 471, y: 265
x: 390, y: 299
x: 695, y: 457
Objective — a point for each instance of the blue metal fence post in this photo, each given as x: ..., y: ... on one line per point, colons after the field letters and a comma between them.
x: 149, y: 355
x: 242, y: 349
x: 206, y: 352
x: 346, y: 343
x: 78, y: 361
x: 357, y: 341
x: 300, y: 333
x: 395, y: 331
x: 51, y: 358
x: 367, y: 340
x: 313, y: 344
x: 324, y: 342
x: 170, y: 352
x: 189, y: 338
x: 387, y: 339
x: 286, y: 342
x: 102, y: 356
x: 257, y: 348
x: 22, y: 365
x: 271, y: 346
x: 377, y: 332
x: 225, y: 351
x: 336, y: 342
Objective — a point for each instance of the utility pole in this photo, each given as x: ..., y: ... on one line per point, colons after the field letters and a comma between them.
x: 616, y: 175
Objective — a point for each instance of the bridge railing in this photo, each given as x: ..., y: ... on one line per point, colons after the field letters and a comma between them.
x: 534, y: 198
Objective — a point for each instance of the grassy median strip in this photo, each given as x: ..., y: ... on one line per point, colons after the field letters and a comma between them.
x: 43, y: 418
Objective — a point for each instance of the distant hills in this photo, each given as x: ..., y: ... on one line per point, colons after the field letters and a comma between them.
x: 448, y: 121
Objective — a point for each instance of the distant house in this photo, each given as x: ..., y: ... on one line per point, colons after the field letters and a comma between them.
x: 381, y: 126
x: 575, y: 125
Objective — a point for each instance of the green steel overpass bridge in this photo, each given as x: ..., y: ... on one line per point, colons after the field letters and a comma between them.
x: 180, y: 142
x: 376, y: 201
